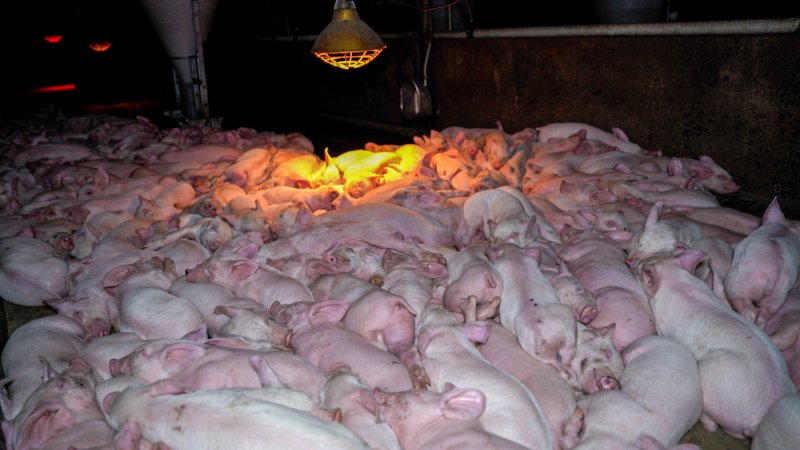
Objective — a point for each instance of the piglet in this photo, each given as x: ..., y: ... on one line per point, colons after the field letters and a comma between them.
x: 197, y: 366
x: 555, y: 396
x: 784, y: 330
x: 206, y: 297
x: 383, y: 318
x: 530, y: 308
x: 56, y: 338
x: 499, y: 216
x: 102, y: 349
x: 253, y: 323
x: 246, y: 278
x: 146, y: 306
x: 248, y: 422
x: 354, y: 399
x: 61, y: 413
x: 597, y: 364
x: 474, y: 285
x: 319, y: 337
x: 449, y: 356
x: 663, y: 236
x: 780, y: 427
x: 30, y: 273
x: 765, y: 266
x: 411, y: 279
x: 573, y: 293
x: 741, y: 371
x: 426, y: 419
x: 616, y: 137
x: 642, y: 406
x: 598, y: 263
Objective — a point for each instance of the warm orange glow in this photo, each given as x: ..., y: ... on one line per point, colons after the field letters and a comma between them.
x: 309, y: 168
x: 53, y: 39
x: 349, y: 60
x: 361, y: 170
x: 410, y: 156
x: 100, y: 46
x: 55, y: 88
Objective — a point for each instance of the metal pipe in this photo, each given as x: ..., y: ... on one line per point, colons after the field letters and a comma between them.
x: 767, y: 26
x: 760, y: 26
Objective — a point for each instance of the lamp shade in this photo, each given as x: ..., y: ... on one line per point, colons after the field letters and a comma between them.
x: 347, y: 42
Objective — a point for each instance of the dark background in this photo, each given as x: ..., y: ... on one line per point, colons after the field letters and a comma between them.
x: 733, y: 97
x: 137, y: 68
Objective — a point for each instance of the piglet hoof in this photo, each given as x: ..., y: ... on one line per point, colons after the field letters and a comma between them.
x: 587, y: 315
x: 608, y: 383
x: 573, y: 429
x: 377, y: 280
x: 419, y: 377
x: 336, y: 415
x: 708, y: 423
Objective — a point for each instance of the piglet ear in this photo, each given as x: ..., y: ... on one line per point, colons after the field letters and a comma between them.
x: 655, y: 213
x: 144, y: 233
x: 428, y: 198
x: 649, y: 281
x: 43, y: 424
x: 391, y: 258
x: 198, y: 335
x: 773, y: 213
x: 166, y: 387
x: 588, y: 216
x: 116, y: 275
x: 675, y: 167
x: 533, y: 252
x: 181, y: 354
x: 433, y: 269
x: 230, y: 311
x: 606, y: 331
x: 462, y: 404
x: 620, y: 134
x: 365, y: 399
x: 266, y: 375
x: 303, y: 217
x: 249, y: 250
x: 242, y: 270
x: 330, y: 311
x: 689, y: 259
x: 531, y: 228
x: 27, y: 232
x: 101, y: 178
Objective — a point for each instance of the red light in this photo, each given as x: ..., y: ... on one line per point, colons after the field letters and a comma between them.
x: 54, y: 88
x: 100, y: 46
x: 54, y: 39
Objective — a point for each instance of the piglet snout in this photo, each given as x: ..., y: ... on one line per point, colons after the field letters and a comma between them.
x: 608, y: 383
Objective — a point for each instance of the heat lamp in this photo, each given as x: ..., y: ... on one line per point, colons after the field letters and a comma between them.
x: 347, y: 42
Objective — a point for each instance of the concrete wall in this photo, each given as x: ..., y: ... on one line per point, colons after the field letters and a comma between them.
x: 735, y: 98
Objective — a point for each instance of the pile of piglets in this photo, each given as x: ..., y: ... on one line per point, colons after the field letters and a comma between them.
x: 558, y: 287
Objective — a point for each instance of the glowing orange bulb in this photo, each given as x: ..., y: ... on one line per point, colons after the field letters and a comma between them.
x: 54, y: 39
x: 100, y: 46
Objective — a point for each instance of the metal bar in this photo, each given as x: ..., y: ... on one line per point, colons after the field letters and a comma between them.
x: 733, y: 27
x: 771, y: 26
x: 201, y: 81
